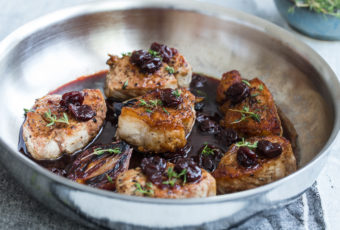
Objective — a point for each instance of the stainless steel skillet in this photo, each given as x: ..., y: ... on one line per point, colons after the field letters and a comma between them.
x: 59, y: 47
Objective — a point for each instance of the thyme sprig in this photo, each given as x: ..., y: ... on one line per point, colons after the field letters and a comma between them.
x: 151, y: 104
x: 27, y: 110
x: 244, y: 143
x: 173, y: 176
x: 177, y: 93
x: 126, y: 54
x: 261, y: 87
x: 246, y: 82
x: 52, y: 118
x: 166, y: 111
x: 100, y: 151
x: 207, y: 150
x: 245, y: 114
x: 154, y: 53
x: 170, y: 69
x: 109, y: 179
x: 147, y: 190
x: 125, y: 84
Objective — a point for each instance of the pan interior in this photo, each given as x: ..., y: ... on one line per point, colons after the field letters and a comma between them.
x: 63, y: 51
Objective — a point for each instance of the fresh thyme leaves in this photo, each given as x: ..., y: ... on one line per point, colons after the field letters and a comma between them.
x: 109, y: 178
x: 170, y: 69
x: 155, y: 103
x: 126, y: 54
x: 166, y: 111
x: 261, y: 87
x: 245, y: 113
x: 52, y: 118
x: 184, y: 175
x: 27, y: 110
x: 246, y: 144
x: 177, y: 93
x: 144, y: 190
x: 255, y: 94
x: 151, y: 104
x: 154, y: 53
x: 142, y: 102
x: 100, y: 151
x: 173, y: 176
x: 125, y: 84
x: 246, y: 82
x: 207, y: 150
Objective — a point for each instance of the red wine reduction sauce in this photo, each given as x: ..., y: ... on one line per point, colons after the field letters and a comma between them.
x: 205, y: 87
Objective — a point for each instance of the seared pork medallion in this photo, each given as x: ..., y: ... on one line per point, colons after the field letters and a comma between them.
x: 59, y: 124
x: 99, y: 165
x: 159, y: 121
x: 160, y: 179
x: 248, y: 106
x: 254, y: 162
x: 140, y: 71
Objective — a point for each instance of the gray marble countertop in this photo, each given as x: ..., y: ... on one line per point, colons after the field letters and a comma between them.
x: 19, y: 211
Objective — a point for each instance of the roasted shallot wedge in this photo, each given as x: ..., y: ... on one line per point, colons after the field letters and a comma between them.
x: 99, y: 165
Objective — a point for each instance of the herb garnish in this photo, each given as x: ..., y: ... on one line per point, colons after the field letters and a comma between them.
x: 52, y: 118
x: 145, y: 191
x: 154, y: 53
x: 125, y: 84
x: 207, y: 150
x: 173, y: 176
x: 170, y: 69
x: 246, y: 144
x: 165, y: 111
x: 155, y: 103
x: 27, y: 110
x: 261, y: 87
x: 245, y: 113
x: 246, y: 82
x: 126, y: 54
x: 177, y: 93
x: 109, y: 178
x: 150, y: 104
x: 142, y: 102
x: 255, y: 94
x: 100, y: 151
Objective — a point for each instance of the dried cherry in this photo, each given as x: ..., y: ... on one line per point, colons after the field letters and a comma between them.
x: 165, y: 52
x: 193, y: 172
x: 246, y: 157
x: 153, y: 168
x: 268, y: 149
x: 81, y: 112
x: 170, y: 97
x: 73, y: 97
x: 237, y: 92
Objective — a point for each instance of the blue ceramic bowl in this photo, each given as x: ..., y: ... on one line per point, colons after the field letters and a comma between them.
x: 309, y: 22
